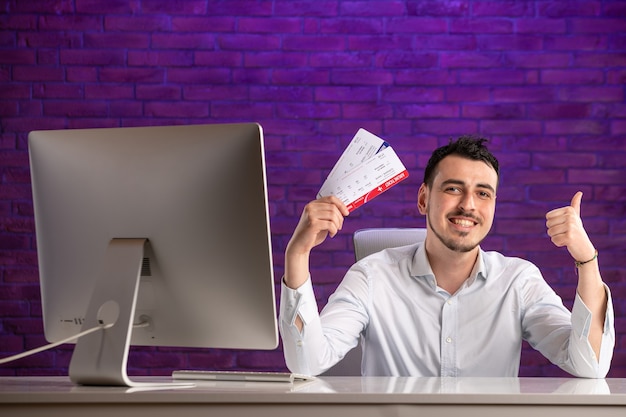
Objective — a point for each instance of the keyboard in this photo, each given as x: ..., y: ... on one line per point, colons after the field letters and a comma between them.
x: 241, y: 376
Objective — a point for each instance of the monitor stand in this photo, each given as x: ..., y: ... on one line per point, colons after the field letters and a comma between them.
x: 100, y: 358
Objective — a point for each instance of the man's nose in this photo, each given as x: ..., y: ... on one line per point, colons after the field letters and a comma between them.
x: 467, y: 202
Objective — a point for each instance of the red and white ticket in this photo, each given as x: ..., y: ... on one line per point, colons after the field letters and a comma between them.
x: 367, y: 168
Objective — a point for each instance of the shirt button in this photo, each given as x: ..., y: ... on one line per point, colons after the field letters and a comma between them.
x: 299, y: 343
x: 449, y: 302
x: 448, y: 340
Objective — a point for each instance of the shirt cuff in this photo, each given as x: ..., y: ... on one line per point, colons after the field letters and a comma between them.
x: 299, y: 302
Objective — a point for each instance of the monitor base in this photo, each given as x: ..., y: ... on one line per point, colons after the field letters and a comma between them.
x: 100, y: 358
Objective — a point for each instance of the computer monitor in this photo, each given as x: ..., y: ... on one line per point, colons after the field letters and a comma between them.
x: 163, y: 231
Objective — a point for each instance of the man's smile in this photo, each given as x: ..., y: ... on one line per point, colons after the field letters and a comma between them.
x: 463, y: 222
x: 464, y: 219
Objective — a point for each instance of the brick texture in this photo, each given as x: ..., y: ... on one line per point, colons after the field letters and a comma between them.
x: 544, y: 80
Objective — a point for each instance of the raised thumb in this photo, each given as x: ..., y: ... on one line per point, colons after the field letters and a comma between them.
x: 576, y: 202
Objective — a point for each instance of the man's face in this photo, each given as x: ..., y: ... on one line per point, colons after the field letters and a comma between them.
x: 460, y: 206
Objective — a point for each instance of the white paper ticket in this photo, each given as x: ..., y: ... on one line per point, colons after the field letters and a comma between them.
x: 363, y: 146
x: 367, y: 168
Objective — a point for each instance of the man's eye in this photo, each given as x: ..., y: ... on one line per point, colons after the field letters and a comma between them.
x: 453, y: 190
x: 484, y: 195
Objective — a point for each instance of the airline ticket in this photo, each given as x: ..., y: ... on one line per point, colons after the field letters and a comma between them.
x: 368, y: 167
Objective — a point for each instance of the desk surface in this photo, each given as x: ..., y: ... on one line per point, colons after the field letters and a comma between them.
x: 361, y: 396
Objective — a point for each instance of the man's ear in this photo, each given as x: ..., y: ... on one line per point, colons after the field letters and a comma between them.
x: 422, y: 198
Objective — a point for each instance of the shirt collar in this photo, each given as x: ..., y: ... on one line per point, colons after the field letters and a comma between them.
x: 420, y: 266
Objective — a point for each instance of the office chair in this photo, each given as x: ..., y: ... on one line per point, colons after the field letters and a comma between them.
x: 367, y: 242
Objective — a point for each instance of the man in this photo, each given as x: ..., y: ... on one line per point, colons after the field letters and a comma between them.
x: 445, y: 307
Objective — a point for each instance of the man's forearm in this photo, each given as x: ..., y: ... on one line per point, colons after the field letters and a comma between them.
x: 296, y: 269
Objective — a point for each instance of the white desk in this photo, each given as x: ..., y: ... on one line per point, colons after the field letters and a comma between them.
x: 325, y: 397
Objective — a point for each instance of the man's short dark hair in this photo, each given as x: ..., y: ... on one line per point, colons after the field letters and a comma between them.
x: 470, y: 147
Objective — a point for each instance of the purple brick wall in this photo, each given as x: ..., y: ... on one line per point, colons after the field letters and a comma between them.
x: 543, y: 79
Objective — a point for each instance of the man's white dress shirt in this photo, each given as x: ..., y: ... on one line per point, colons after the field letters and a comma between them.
x: 408, y: 326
